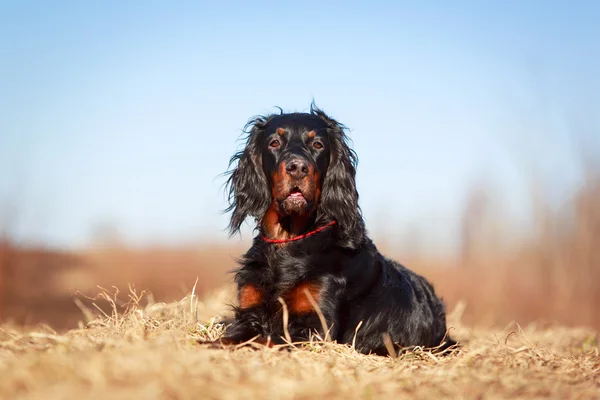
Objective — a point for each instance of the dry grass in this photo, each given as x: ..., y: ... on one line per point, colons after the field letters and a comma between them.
x: 148, y: 351
x: 550, y: 274
x: 37, y: 285
x: 134, y: 347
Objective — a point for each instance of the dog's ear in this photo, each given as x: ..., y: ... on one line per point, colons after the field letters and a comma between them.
x: 248, y: 187
x: 339, y: 198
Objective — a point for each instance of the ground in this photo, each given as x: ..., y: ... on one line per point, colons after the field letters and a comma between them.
x: 151, y: 351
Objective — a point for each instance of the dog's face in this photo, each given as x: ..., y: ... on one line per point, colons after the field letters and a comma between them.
x: 295, y: 170
x: 295, y: 158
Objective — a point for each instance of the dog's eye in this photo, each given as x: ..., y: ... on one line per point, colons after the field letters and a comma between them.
x: 317, y: 144
x: 274, y: 143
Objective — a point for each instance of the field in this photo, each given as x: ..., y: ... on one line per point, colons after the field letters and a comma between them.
x: 525, y: 312
x: 152, y: 351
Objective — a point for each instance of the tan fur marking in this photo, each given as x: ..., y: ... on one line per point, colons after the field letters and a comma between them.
x: 298, y: 300
x: 249, y: 296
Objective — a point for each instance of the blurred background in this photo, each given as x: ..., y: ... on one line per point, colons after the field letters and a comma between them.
x: 477, y: 127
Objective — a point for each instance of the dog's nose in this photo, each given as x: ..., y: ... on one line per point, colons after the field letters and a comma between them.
x: 297, y: 168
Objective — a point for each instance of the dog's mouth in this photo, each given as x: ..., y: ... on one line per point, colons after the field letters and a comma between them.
x: 295, y: 194
x: 295, y: 203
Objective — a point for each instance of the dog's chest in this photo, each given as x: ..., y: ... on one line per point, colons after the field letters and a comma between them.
x: 295, y: 285
x: 282, y: 283
x: 301, y: 298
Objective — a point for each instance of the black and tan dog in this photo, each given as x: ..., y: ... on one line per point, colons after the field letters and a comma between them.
x: 296, y: 177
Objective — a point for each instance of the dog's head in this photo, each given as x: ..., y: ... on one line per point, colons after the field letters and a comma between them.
x: 294, y: 170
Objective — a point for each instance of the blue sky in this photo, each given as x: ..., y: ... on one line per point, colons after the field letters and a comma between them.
x: 126, y: 113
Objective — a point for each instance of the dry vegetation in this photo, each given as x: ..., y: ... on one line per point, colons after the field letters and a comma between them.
x: 548, y: 283
x: 553, y: 275
x: 151, y: 351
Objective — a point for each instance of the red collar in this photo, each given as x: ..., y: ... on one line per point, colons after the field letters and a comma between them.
x: 304, y: 235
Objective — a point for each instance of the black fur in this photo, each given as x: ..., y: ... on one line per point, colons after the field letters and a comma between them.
x: 351, y: 281
x: 248, y: 190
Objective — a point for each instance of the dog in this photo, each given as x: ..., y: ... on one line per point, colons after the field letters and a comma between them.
x: 312, y: 264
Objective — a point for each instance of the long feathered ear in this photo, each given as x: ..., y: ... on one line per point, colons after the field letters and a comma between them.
x: 248, y: 188
x: 339, y: 197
